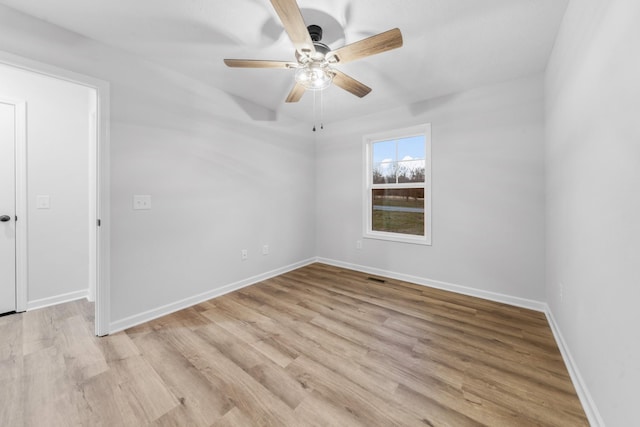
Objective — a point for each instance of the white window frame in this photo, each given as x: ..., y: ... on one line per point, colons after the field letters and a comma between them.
x: 369, y: 186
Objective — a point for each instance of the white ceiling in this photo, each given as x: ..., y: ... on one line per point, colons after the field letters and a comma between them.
x: 449, y: 45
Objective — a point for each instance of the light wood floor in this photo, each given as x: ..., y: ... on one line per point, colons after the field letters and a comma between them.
x: 317, y: 346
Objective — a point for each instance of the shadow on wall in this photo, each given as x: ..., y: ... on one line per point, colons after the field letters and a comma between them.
x: 421, y: 107
x: 255, y: 111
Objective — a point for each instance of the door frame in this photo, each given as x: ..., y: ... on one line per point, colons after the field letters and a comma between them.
x: 20, y: 186
x: 102, y: 190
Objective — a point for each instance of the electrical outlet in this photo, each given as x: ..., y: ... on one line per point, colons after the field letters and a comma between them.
x: 244, y: 254
x: 358, y: 244
x: 42, y: 202
x: 141, y: 202
x: 265, y: 249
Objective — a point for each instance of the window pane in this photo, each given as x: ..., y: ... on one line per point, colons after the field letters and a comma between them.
x: 384, y: 162
x: 399, y: 160
x: 398, y: 210
x: 411, y: 155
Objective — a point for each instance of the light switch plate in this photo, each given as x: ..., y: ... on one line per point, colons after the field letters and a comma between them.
x: 141, y: 202
x: 42, y: 202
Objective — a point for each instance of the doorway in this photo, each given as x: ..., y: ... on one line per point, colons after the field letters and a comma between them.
x: 9, y: 147
x: 39, y: 207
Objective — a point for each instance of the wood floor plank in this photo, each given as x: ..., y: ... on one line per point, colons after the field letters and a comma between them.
x: 238, y: 327
x: 280, y: 383
x: 39, y: 330
x: 11, y: 370
x: 82, y: 354
x: 368, y: 408
x: 241, y: 388
x: 236, y: 350
x: 108, y: 403
x: 318, y: 346
x: 199, y: 397
x: 117, y: 347
x: 271, y: 296
x: 433, y: 413
x: 44, y: 385
x: 266, y: 372
x: 236, y: 322
x: 145, y: 391
x: 314, y: 336
x: 317, y: 411
x: 234, y: 418
x: 177, y: 417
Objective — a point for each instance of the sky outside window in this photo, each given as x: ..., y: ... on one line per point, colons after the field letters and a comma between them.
x: 385, y: 151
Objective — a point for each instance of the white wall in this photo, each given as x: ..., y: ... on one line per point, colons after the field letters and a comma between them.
x: 213, y: 194
x: 488, y: 181
x: 57, y: 166
x: 593, y: 199
x: 219, y: 180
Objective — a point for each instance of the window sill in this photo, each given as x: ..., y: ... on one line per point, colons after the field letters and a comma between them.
x: 399, y: 238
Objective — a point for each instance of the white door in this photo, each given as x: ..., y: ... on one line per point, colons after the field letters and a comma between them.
x: 7, y: 208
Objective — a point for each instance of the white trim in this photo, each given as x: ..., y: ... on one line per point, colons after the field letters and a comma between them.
x: 58, y: 299
x: 92, y: 188
x: 589, y: 406
x: 22, y: 255
x: 103, y: 211
x: 459, y: 289
x: 148, y: 315
x: 102, y: 249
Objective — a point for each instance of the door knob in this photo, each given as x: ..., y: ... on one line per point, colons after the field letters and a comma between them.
x: 5, y: 218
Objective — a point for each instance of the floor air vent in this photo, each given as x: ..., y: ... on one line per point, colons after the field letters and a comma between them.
x: 375, y: 279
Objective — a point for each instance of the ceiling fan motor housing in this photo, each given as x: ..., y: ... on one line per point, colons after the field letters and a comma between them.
x: 321, y: 49
x: 315, y: 31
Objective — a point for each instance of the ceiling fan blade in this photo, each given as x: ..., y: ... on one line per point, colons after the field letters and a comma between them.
x: 373, y: 45
x: 350, y: 84
x: 294, y: 25
x: 257, y: 63
x: 296, y: 93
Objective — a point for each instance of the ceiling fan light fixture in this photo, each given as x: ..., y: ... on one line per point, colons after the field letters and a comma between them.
x: 314, y: 76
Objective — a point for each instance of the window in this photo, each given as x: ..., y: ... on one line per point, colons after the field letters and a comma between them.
x: 398, y: 185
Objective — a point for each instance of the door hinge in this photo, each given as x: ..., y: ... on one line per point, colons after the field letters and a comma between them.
x: 98, y: 223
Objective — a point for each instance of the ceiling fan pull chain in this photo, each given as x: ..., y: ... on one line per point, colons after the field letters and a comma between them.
x: 321, y: 110
x: 314, y: 110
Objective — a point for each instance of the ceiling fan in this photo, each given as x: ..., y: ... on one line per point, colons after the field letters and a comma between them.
x: 315, y: 61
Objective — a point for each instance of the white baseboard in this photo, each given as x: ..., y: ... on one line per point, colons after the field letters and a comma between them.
x: 137, y: 319
x: 589, y: 406
x: 459, y: 289
x: 58, y: 299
